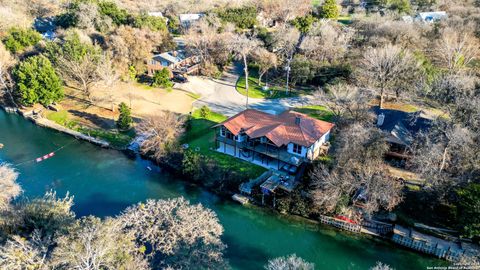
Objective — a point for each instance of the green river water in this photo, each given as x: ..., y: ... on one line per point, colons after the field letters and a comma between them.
x: 104, y: 182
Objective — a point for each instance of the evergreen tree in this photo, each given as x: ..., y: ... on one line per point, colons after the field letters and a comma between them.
x: 125, y: 119
x: 303, y: 24
x: 469, y: 210
x: 37, y: 82
x: 18, y: 39
x: 162, y: 79
x: 329, y: 10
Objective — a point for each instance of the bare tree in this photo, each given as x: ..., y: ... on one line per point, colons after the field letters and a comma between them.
x: 388, y: 68
x: 328, y: 187
x: 347, y: 102
x: 132, y: 46
x: 286, y: 41
x: 200, y: 37
x: 14, y: 14
x: 456, y: 49
x: 381, y: 266
x: 326, y: 41
x: 446, y: 155
x: 212, y: 45
x: 49, y: 215
x: 19, y: 253
x: 6, y: 63
x: 9, y: 189
x: 282, y: 11
x: 449, y: 87
x: 181, y: 235
x: 82, y: 72
x: 92, y: 244
x: 265, y: 61
x: 107, y: 71
x: 359, y: 174
x: 291, y: 262
x: 243, y: 47
x: 160, y: 132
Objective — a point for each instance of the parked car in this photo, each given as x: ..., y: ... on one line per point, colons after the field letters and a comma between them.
x: 179, y: 78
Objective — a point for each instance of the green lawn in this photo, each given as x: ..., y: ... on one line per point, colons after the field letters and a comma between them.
x: 60, y: 117
x: 116, y: 139
x: 316, y: 111
x: 256, y: 91
x: 201, y: 136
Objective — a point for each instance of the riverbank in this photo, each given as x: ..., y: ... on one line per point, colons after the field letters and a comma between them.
x: 226, y: 193
x: 104, y: 182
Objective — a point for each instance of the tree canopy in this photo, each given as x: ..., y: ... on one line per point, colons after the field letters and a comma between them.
x: 18, y: 39
x: 37, y: 82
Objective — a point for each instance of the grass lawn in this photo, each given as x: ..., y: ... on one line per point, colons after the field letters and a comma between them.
x: 201, y: 136
x: 256, y: 91
x: 345, y: 19
x: 316, y: 111
x: 116, y: 139
x: 60, y: 117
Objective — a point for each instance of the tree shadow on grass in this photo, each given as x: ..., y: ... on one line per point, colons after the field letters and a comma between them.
x: 97, y: 120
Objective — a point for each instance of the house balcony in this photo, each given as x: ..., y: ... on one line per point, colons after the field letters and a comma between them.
x: 255, y: 152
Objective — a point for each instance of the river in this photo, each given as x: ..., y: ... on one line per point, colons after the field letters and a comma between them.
x: 104, y: 182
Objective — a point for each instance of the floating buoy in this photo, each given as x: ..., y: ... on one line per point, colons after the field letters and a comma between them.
x: 1, y: 145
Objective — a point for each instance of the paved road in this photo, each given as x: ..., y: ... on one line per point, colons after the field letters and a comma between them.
x: 222, y: 97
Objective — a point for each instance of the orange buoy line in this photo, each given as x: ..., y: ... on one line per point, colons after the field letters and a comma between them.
x: 44, y: 157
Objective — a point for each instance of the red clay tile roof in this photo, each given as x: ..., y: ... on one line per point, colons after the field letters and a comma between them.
x: 280, y: 129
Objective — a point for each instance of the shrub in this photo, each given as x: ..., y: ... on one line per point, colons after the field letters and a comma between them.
x: 162, y: 78
x: 244, y: 17
x: 205, y: 111
x: 151, y: 22
x: 125, y: 119
x: 329, y: 10
x: 37, y: 82
x: 18, y: 39
x: 110, y: 9
x: 303, y: 24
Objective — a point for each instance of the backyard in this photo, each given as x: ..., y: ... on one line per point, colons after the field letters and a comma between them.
x: 316, y: 111
x: 200, y: 137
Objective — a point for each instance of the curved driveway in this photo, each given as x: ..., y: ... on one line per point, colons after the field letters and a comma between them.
x: 222, y: 97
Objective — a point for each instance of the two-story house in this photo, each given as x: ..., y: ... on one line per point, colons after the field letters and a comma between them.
x: 281, y: 142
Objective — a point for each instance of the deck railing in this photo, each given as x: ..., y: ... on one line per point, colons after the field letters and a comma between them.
x: 341, y: 224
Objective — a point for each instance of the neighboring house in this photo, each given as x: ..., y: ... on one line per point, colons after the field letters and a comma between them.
x: 401, y: 128
x: 45, y: 26
x: 176, y: 61
x: 281, y: 142
x: 186, y: 20
x: 429, y: 17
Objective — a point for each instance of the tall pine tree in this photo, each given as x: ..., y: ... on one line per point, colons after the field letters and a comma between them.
x: 125, y: 119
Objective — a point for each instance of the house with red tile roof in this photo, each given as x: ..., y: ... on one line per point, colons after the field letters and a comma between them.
x: 281, y: 142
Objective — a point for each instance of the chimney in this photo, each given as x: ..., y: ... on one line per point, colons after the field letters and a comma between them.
x: 380, y: 119
x: 297, y: 120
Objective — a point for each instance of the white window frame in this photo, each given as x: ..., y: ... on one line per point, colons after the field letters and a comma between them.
x: 223, y: 132
x: 298, y: 149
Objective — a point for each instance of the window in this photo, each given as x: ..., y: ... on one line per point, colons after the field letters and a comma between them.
x: 297, y: 148
x: 222, y: 132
